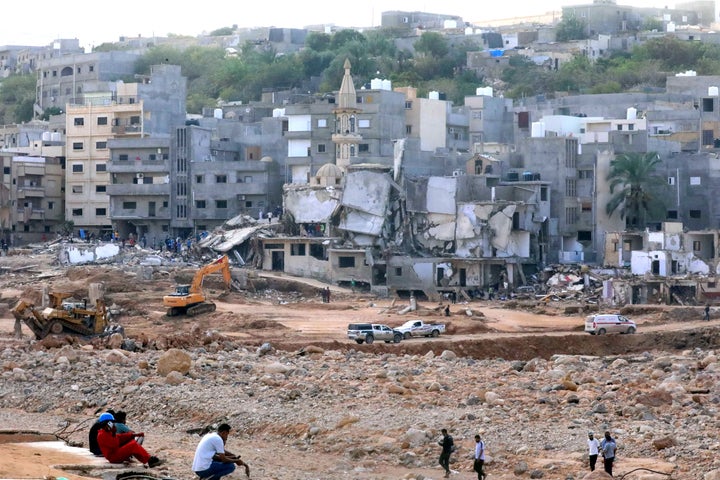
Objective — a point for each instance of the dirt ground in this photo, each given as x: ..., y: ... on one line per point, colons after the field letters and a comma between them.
x: 289, y: 314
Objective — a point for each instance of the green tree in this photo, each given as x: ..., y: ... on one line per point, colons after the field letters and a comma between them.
x: 17, y: 96
x: 317, y: 41
x: 631, y: 181
x: 222, y: 32
x: 432, y: 44
x: 339, y: 39
x: 653, y: 24
x: 571, y: 28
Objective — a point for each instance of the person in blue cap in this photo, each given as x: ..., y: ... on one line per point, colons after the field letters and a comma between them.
x: 92, y: 436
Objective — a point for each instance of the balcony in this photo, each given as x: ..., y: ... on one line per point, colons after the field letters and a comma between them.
x: 132, y: 189
x: 126, y: 129
x: 25, y: 215
x: 30, y: 192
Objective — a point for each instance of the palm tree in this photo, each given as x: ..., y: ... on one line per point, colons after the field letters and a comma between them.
x: 632, y: 175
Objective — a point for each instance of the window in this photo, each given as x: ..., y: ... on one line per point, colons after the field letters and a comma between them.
x: 317, y: 251
x: 586, y: 206
x: 585, y: 174
x: 91, y: 68
x: 248, y: 204
x: 707, y: 137
x: 322, y: 122
x: 570, y: 215
x: 570, y: 187
x: 129, y: 205
x: 51, y: 205
x: 346, y: 262
x: 671, y: 180
x: 408, y: 105
x: 672, y: 214
x: 199, y: 179
x: 77, y: 189
x: 584, y: 236
x: 365, y: 123
x: 619, y: 127
x: 220, y: 203
x: 165, y: 204
x: 77, y: 145
x: 123, y: 157
x: 135, y: 120
x: 297, y: 249
x: 152, y: 157
x: 77, y: 168
x: 408, y: 129
x: 101, y: 167
x: 321, y: 148
x: 100, y: 212
x: 697, y: 246
x: 199, y: 203
x: 695, y: 181
x: 102, y: 120
x: 695, y: 214
x: 220, y: 178
x: 100, y: 188
x: 707, y: 104
x: 398, y: 271
x: 101, y: 145
x: 79, y: 121
x: 631, y: 126
x: 247, y: 179
x: 543, y: 194
x: 6, y: 170
x: 77, y: 212
x: 363, y: 148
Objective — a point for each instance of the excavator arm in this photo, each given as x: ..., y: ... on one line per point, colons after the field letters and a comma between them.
x: 222, y: 264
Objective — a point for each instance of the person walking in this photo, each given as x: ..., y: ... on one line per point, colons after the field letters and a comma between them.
x: 447, y: 445
x: 327, y: 294
x: 212, y: 460
x: 608, y: 447
x: 593, y: 450
x: 479, y: 458
x: 707, y: 313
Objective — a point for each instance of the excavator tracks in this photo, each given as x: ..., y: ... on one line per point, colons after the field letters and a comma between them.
x: 200, y: 308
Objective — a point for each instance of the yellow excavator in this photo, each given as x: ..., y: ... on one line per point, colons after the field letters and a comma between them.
x: 189, y: 299
x: 64, y: 317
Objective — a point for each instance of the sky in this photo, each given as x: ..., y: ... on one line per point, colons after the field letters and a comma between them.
x: 40, y: 22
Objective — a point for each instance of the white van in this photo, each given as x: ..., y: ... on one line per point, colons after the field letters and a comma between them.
x: 609, y: 323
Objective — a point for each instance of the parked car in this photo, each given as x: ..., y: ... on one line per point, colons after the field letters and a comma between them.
x: 418, y: 328
x: 609, y: 323
x: 369, y: 332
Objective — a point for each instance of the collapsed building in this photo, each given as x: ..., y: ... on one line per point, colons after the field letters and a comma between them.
x: 425, y: 236
x: 670, y: 266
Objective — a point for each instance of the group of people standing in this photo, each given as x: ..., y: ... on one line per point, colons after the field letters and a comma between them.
x: 607, y: 448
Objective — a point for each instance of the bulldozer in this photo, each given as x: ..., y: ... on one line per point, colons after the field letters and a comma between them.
x: 65, y: 317
x: 189, y: 299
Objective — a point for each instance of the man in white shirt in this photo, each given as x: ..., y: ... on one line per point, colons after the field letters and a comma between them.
x: 212, y: 461
x: 479, y: 458
x: 593, y: 450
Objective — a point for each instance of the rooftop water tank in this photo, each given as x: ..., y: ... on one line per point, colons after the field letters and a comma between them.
x: 631, y: 114
x: 537, y: 130
x: 484, y: 91
x: 217, y: 113
x: 375, y: 84
x: 46, y: 136
x: 712, y: 91
x: 386, y: 85
x: 434, y: 95
x: 56, y: 136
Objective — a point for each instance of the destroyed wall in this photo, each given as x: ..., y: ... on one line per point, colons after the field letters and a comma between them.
x: 366, y: 207
x: 311, y: 204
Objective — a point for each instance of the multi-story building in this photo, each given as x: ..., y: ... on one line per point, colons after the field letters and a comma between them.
x: 130, y: 111
x: 69, y: 78
x: 31, y: 194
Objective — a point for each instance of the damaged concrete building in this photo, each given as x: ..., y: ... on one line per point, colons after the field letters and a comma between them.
x: 672, y: 265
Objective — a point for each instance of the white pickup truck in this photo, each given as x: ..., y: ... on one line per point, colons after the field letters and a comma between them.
x: 418, y: 328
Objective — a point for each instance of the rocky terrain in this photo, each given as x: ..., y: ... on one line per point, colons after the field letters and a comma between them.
x: 305, y: 406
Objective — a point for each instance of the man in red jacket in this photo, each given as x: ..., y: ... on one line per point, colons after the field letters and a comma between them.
x: 120, y: 447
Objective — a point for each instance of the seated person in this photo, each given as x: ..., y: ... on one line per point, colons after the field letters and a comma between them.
x: 121, y: 427
x: 92, y: 436
x: 121, y: 447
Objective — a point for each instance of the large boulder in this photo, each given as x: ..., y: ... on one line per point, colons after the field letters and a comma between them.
x: 174, y: 360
